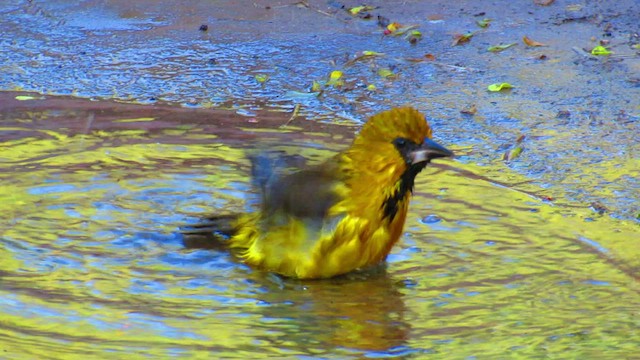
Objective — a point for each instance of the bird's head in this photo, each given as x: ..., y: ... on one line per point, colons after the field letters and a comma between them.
x: 385, y: 157
x: 400, y: 135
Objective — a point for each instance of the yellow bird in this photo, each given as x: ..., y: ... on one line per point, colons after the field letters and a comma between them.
x: 341, y: 215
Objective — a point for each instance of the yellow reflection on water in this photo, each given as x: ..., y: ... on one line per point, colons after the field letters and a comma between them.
x: 92, y: 264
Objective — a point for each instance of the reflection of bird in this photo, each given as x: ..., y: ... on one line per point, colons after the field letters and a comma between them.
x: 351, y: 315
x: 341, y: 215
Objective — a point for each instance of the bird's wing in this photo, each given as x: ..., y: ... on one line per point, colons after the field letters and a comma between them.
x: 305, y: 193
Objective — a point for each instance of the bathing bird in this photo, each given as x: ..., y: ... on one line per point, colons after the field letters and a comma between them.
x: 343, y: 214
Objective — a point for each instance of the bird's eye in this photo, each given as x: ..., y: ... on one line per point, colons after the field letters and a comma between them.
x: 400, y: 142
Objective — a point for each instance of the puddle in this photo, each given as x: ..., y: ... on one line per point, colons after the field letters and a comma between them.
x: 93, y: 193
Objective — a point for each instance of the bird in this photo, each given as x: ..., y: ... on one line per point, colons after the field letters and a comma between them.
x: 338, y: 216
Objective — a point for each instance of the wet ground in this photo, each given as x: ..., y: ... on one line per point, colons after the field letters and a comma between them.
x: 121, y: 120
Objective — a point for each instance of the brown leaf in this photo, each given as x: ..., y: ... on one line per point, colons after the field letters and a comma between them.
x: 461, y: 38
x: 543, y: 2
x: 427, y: 57
x: 470, y: 109
x: 530, y: 42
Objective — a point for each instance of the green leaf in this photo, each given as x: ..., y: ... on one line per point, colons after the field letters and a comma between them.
x: 499, y: 87
x: 386, y: 73
x: 499, y: 48
x: 600, y: 51
x: 358, y: 9
x: 261, y: 78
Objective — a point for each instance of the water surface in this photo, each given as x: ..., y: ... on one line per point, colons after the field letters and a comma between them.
x: 93, y: 266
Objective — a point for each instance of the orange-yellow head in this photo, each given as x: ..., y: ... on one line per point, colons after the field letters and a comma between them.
x: 405, y: 130
x: 388, y: 153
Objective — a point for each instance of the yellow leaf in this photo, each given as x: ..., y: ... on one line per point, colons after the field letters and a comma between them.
x: 316, y: 87
x: 335, y: 75
x: 499, y: 87
x: 262, y: 78
x: 371, y: 87
x: 530, y: 42
x: 403, y: 30
x: 372, y: 53
x: 499, y: 48
x: 358, y: 9
x: 600, y: 50
x: 393, y: 27
x: 386, y: 73
x: 26, y: 97
x: 335, y: 79
x: 462, y: 38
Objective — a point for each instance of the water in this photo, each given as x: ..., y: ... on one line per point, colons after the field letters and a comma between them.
x: 93, y: 266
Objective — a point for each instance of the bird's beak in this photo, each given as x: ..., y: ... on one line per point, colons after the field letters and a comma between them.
x: 428, y: 151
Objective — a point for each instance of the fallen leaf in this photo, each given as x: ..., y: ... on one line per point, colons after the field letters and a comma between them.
x: 386, y: 73
x: 636, y: 46
x: 512, y: 153
x: 427, y: 57
x: 316, y: 87
x: 27, y: 97
x: 530, y: 42
x: 470, y: 109
x: 543, y: 2
x: 403, y: 30
x: 498, y: 48
x: 461, y: 38
x: 363, y: 56
x: 358, y: 9
x: 391, y: 28
x: 414, y: 36
x: 499, y: 87
x: 600, y: 51
x: 574, y: 7
x: 371, y: 87
x: 515, y: 149
x: 335, y: 79
x: 261, y: 78
x: 296, y: 110
x: 435, y: 17
x: 484, y: 23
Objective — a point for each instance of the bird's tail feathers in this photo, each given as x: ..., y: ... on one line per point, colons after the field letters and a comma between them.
x: 211, y: 233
